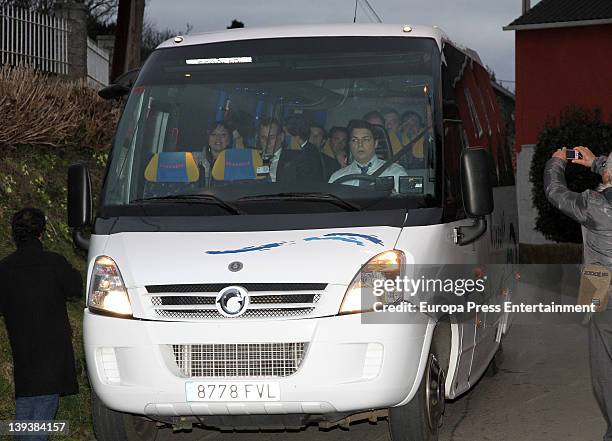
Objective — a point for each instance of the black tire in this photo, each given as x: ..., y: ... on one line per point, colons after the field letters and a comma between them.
x: 493, y: 367
x: 110, y: 425
x: 421, y: 418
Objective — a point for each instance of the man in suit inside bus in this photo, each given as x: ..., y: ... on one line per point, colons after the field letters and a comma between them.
x: 290, y: 165
x: 337, y: 145
x: 314, y: 164
x: 317, y: 135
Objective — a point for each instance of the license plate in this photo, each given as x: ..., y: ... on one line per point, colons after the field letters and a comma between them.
x: 232, y: 391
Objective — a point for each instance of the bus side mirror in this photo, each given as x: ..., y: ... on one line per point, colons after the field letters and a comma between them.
x: 80, y: 206
x: 476, y: 182
x: 477, y: 193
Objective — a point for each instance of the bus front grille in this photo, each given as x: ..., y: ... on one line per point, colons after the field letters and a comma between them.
x: 208, y: 314
x: 198, y: 302
x: 216, y: 287
x: 259, y: 360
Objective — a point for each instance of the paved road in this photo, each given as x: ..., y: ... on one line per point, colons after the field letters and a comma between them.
x: 541, y: 393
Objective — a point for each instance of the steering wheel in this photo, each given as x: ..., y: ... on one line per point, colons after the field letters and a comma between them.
x: 357, y: 176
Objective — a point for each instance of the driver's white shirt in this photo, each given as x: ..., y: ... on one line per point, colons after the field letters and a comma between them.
x: 394, y: 170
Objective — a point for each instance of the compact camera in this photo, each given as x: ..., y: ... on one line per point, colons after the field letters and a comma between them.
x: 572, y: 154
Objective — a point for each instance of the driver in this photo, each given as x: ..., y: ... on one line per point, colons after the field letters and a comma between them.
x: 365, y: 162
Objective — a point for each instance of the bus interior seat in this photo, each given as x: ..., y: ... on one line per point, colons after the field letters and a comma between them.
x: 171, y: 173
x: 237, y: 164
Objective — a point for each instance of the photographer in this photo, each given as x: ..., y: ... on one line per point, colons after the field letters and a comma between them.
x: 33, y: 302
x: 593, y: 210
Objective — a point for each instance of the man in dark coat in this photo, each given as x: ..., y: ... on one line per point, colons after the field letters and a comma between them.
x: 593, y: 210
x: 313, y: 164
x: 33, y: 303
x: 303, y: 163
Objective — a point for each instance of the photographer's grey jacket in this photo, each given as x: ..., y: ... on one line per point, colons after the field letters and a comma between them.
x: 591, y: 208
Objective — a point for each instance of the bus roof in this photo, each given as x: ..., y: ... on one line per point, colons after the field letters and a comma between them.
x: 324, y: 30
x: 321, y: 30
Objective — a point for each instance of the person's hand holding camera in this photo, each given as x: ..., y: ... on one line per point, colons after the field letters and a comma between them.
x: 587, y: 156
x: 560, y: 153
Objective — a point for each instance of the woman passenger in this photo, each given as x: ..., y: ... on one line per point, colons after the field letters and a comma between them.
x: 219, y: 138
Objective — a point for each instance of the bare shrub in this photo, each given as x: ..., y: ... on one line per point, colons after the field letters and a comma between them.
x: 38, y: 109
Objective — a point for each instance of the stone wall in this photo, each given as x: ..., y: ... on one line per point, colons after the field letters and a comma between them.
x: 76, y: 15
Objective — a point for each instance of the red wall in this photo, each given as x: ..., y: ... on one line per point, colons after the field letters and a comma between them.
x: 556, y: 68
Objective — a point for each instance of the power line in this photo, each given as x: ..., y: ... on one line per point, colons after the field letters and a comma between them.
x: 365, y: 12
x: 367, y: 7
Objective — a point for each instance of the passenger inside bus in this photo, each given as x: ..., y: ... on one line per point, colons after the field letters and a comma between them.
x: 287, y: 164
x: 219, y: 138
x: 298, y: 150
x: 322, y: 94
x: 311, y: 165
x: 393, y: 127
x: 363, y: 144
x: 392, y: 120
x: 337, y: 145
x: 374, y: 117
x: 241, y: 123
x: 412, y: 126
x: 317, y: 135
x: 270, y: 139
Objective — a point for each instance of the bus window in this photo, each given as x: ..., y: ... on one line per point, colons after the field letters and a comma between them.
x: 328, y: 83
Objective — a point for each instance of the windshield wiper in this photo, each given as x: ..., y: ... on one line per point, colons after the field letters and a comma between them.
x: 206, y: 198
x: 312, y: 197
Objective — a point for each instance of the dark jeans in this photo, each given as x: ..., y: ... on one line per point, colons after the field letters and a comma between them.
x: 41, y: 407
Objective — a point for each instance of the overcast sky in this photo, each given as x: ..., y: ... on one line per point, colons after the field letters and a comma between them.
x: 474, y: 23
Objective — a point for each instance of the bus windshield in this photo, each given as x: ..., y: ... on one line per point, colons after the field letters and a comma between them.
x: 282, y: 125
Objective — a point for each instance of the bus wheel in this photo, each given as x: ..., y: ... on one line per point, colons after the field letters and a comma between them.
x: 110, y: 425
x: 493, y: 367
x: 421, y: 418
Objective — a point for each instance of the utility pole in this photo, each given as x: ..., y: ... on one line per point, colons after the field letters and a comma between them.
x: 128, y: 37
x: 526, y: 6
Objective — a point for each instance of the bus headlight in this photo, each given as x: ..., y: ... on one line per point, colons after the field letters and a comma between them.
x: 388, y: 265
x: 107, y: 293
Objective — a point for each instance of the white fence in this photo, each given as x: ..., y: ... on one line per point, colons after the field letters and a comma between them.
x: 97, y: 65
x: 39, y: 40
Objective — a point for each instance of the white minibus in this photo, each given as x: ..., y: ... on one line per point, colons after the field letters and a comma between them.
x: 260, y: 182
